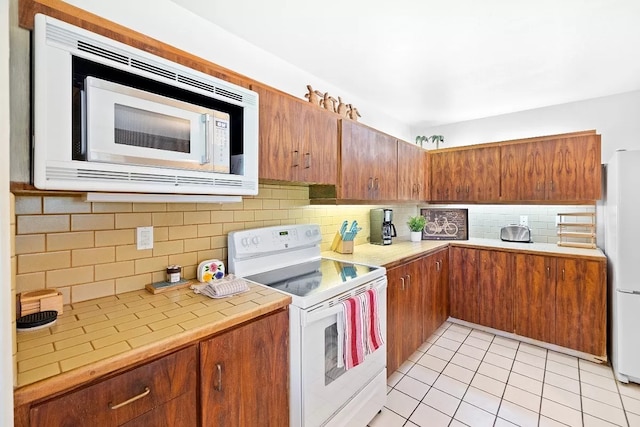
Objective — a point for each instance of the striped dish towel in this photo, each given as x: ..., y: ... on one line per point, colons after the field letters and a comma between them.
x: 222, y: 288
x: 359, y: 330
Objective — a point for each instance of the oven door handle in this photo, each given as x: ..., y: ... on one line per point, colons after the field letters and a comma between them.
x: 322, y: 312
x: 312, y: 317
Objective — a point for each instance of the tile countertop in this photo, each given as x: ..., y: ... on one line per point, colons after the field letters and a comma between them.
x: 402, y: 251
x: 96, y: 337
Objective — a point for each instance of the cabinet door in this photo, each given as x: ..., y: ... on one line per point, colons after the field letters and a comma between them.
x: 575, y: 170
x: 484, y: 182
x: 412, y: 308
x: 581, y: 305
x: 386, y: 166
x: 523, y: 171
x: 535, y: 297
x: 435, y: 298
x: 463, y: 285
x: 357, y: 150
x: 495, y: 290
x: 411, y: 171
x: 443, y: 169
x: 279, y: 154
x: 317, y: 131
x: 394, y: 318
x: 133, y: 393
x: 245, y: 374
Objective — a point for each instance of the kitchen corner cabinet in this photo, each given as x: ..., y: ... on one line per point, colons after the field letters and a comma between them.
x: 298, y: 141
x: 245, y: 375
x: 466, y: 175
x: 480, y: 287
x: 368, y: 163
x: 413, y: 168
x: 495, y: 290
x: 463, y: 284
x: 159, y: 393
x: 563, y: 168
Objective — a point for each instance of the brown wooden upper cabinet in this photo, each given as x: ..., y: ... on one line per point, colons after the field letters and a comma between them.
x: 471, y: 174
x: 298, y: 141
x: 368, y: 163
x: 413, y: 172
x: 563, y: 168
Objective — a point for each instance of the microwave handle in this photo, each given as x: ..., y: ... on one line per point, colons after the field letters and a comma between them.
x: 208, y: 138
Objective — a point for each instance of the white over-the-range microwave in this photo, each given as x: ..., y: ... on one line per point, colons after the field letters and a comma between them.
x: 110, y: 117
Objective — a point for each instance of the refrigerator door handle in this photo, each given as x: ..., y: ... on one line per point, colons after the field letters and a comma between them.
x: 624, y: 291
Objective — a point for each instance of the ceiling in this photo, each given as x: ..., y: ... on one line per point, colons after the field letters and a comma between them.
x: 429, y: 62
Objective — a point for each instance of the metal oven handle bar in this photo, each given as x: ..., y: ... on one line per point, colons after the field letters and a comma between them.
x: 326, y: 310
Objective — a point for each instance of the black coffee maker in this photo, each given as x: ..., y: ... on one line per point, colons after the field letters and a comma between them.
x: 382, y: 228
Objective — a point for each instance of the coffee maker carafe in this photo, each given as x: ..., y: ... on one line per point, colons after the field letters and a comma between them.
x: 382, y: 228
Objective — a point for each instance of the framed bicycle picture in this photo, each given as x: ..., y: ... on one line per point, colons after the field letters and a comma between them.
x: 445, y: 224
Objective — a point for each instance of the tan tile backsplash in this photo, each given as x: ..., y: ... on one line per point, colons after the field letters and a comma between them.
x: 88, y: 250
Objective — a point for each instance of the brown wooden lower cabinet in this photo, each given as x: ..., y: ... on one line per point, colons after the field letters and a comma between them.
x: 417, y: 304
x: 244, y: 375
x: 145, y: 393
x: 495, y: 290
x: 557, y: 300
x: 581, y: 305
x: 435, y: 298
x: 463, y: 284
x: 244, y: 381
x: 535, y: 297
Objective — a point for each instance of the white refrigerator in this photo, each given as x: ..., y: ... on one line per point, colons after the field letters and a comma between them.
x: 622, y: 247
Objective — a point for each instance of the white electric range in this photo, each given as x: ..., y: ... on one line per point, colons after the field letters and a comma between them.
x: 287, y: 258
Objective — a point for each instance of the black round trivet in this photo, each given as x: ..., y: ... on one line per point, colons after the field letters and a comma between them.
x: 34, y: 320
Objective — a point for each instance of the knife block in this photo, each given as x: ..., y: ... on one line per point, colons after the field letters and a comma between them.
x: 341, y: 246
x: 345, y: 247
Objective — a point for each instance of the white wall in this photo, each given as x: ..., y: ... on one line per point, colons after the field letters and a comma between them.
x: 168, y: 22
x: 6, y: 369
x: 616, y: 118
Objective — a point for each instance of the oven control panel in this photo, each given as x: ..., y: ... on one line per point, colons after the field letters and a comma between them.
x: 260, y: 241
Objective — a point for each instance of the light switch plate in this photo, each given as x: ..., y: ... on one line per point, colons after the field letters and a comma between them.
x: 524, y: 220
x: 144, y: 237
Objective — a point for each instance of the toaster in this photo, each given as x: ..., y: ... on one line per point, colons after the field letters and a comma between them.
x: 516, y: 233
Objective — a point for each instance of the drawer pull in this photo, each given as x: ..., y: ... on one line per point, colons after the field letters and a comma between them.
x: 219, y: 385
x: 133, y: 399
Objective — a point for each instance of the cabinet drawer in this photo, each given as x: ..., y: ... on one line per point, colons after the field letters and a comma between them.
x: 117, y: 400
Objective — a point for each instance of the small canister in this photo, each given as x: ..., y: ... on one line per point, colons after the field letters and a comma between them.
x: 173, y: 273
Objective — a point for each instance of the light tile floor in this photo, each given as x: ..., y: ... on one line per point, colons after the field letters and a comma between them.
x: 467, y: 377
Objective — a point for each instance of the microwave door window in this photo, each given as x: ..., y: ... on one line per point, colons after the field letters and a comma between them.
x: 140, y: 128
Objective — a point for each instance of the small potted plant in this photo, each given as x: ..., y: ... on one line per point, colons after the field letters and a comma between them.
x: 416, y: 225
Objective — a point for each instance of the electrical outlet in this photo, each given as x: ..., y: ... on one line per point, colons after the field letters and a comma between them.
x: 144, y: 238
x: 524, y: 220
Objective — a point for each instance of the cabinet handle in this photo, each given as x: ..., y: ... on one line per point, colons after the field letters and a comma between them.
x: 408, y: 280
x: 458, y: 189
x: 437, y: 265
x: 296, y: 158
x: 419, y: 188
x: 307, y: 160
x: 370, y: 183
x: 538, y: 186
x: 563, y: 274
x: 219, y: 385
x: 551, y: 185
x: 133, y: 399
x: 376, y: 184
x: 402, y: 278
x: 467, y: 188
x: 548, y: 272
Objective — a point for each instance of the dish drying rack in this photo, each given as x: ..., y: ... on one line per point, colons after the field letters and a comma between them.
x: 580, y: 227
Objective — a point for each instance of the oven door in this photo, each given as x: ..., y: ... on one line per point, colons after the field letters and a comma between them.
x: 326, y: 388
x: 130, y: 126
